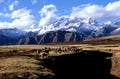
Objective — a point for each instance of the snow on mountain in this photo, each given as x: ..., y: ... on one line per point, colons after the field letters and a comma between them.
x: 117, y: 30
x: 32, y: 30
x: 78, y: 25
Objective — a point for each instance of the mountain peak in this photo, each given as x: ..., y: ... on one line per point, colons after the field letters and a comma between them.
x: 69, y: 24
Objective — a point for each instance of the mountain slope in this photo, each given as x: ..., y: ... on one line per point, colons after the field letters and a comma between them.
x: 51, y: 37
x: 115, y: 39
x: 10, y: 36
x: 12, y: 33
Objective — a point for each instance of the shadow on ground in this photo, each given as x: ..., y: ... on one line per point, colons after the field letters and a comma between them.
x: 83, y: 65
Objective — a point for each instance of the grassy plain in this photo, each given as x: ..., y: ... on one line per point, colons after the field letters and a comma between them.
x: 16, y: 64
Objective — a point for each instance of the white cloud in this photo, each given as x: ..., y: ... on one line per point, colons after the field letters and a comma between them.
x: 22, y: 19
x: 4, y: 25
x: 34, y: 1
x: 15, y: 3
x: 111, y: 10
x: 23, y: 23
x: 11, y: 7
x: 47, y: 13
x: 5, y: 14
x: 20, y: 13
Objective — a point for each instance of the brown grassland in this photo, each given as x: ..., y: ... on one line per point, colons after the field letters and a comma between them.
x: 21, y: 61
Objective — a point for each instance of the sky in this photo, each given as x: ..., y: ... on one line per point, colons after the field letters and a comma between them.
x: 28, y: 14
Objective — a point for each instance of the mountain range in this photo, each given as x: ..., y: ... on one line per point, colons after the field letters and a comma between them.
x: 64, y: 29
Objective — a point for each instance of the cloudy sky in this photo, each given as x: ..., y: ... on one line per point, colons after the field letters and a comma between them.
x: 25, y: 14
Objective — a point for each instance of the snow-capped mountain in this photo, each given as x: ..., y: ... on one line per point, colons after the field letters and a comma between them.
x: 79, y: 25
x: 108, y: 29
x: 86, y: 26
x: 71, y: 29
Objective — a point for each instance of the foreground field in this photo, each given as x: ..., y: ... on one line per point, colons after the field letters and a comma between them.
x: 25, y: 61
x: 22, y: 67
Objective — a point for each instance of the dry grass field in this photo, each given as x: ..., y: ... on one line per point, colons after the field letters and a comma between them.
x: 16, y: 65
x: 23, y: 67
x: 25, y: 61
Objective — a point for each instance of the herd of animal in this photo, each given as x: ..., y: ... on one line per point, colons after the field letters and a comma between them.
x: 44, y: 52
x: 41, y: 52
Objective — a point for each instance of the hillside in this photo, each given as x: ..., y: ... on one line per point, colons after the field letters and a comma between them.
x: 52, y: 37
x: 103, y: 40
x: 115, y: 39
